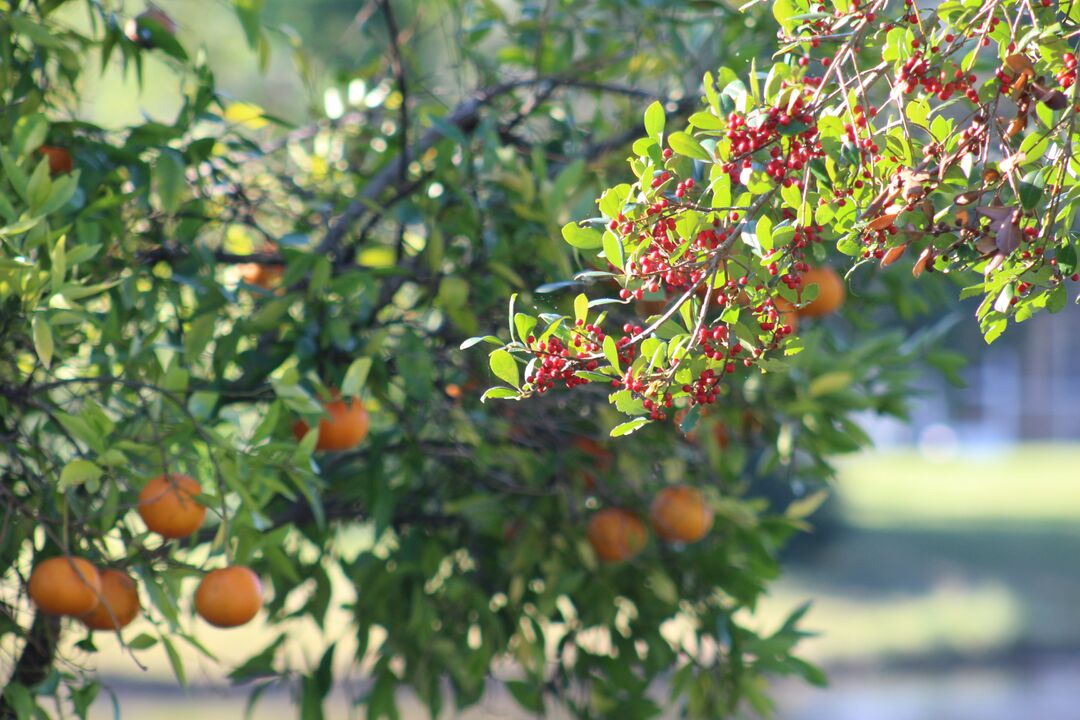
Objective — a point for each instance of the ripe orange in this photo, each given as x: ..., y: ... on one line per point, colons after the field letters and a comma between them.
x: 616, y: 534
x: 118, y: 595
x: 229, y: 596
x: 169, y: 507
x: 789, y: 315
x: 65, y: 585
x: 264, y: 275
x: 680, y: 514
x: 346, y: 427
x: 60, y: 162
x: 831, y: 291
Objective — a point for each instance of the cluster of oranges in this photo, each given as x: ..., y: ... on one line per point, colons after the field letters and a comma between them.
x: 678, y: 514
x: 108, y: 599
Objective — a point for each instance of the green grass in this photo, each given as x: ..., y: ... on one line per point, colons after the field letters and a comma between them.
x: 972, y: 555
x: 1029, y: 484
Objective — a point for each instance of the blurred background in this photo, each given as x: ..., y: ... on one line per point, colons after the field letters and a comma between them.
x: 944, y: 569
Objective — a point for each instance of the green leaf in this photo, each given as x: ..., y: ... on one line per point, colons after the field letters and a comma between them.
x: 356, y: 377
x: 686, y: 145
x: 142, y: 642
x: 585, y: 238
x: 78, y: 472
x: 527, y: 695
x: 707, y: 121
x: 784, y: 11
x: 611, y: 352
x: 58, y: 262
x: 169, y: 180
x: 1057, y: 300
x: 499, y: 393
x: 917, y: 111
x: 1031, y: 189
x: 630, y: 426
x: 581, y: 308
x: 654, y: 120
x: 43, y: 339
x: 505, y: 367
x: 614, y: 252
x: 39, y: 187
x: 175, y: 661
x: 476, y: 340
x: 20, y: 700
x: 829, y: 383
x: 807, y: 506
x: 29, y: 134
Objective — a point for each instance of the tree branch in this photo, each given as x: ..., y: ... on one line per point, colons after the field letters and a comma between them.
x: 465, y: 117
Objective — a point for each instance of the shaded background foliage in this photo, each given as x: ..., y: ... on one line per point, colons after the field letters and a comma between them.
x: 453, y: 538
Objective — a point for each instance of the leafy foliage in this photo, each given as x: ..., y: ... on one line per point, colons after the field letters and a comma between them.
x: 175, y: 295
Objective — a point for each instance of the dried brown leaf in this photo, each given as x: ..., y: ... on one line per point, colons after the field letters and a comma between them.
x: 892, y: 255
x: 925, y: 258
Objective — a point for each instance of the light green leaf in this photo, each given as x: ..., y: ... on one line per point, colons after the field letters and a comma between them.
x: 505, y: 367
x: 356, y: 377
x: 585, y: 238
x: 499, y: 393
x: 686, y: 145
x: 654, y: 120
x: 613, y: 249
x: 611, y: 352
x: 581, y: 308
x: 77, y: 472
x: 43, y: 339
x: 630, y: 426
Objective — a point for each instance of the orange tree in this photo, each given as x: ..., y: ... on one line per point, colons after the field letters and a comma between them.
x: 235, y: 385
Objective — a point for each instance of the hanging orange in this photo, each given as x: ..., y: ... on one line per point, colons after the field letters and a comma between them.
x: 119, y: 602
x: 616, y: 534
x: 65, y: 586
x: 346, y: 427
x: 831, y: 291
x: 264, y: 275
x: 229, y: 596
x: 169, y: 507
x: 60, y: 162
x: 680, y: 514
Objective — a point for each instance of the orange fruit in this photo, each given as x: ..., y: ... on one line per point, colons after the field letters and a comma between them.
x: 680, y: 514
x: 119, y: 602
x: 831, y: 292
x: 169, y: 507
x: 65, y: 585
x: 616, y: 534
x: 264, y: 275
x: 60, y: 162
x: 228, y: 597
x: 789, y: 315
x: 346, y: 427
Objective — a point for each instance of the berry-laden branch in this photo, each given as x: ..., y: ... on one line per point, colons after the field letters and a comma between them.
x: 885, y: 129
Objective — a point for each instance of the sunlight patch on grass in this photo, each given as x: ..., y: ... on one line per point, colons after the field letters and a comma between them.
x: 952, y: 618
x: 1025, y: 484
